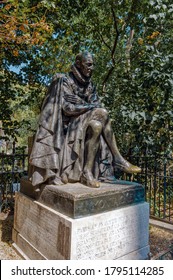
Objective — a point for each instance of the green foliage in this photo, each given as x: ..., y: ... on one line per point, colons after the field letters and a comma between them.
x: 20, y: 105
x: 132, y: 42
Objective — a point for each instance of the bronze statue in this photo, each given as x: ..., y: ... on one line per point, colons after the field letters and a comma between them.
x: 74, y: 141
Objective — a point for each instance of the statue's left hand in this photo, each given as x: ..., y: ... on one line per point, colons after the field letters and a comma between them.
x: 73, y: 99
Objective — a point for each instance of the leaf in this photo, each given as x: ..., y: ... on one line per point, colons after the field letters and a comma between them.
x: 153, y: 16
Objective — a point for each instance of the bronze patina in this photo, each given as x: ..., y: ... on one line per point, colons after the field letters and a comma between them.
x: 74, y: 139
x: 77, y: 200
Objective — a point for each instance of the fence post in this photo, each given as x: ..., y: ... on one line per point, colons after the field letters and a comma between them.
x: 164, y: 191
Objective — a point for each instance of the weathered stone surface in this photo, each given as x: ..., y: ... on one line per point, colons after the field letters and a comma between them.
x: 140, y: 254
x: 43, y: 233
x: 111, y: 235
x: 77, y: 200
x: 38, y: 227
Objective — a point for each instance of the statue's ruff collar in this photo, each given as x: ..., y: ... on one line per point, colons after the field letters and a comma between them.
x: 78, y: 76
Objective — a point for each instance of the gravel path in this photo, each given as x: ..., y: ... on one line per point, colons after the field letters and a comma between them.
x: 160, y: 239
x: 6, y: 250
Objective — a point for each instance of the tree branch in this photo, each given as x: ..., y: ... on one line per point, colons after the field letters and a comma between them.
x: 112, y: 51
x: 128, y: 48
x: 101, y: 36
x: 117, y: 34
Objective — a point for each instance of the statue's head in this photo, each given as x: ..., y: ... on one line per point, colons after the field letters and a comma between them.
x: 85, y: 64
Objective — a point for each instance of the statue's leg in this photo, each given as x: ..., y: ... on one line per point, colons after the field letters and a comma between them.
x: 101, y: 115
x: 91, y: 147
x: 119, y: 161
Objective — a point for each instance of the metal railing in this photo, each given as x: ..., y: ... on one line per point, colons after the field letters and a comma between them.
x: 157, y: 178
x: 12, y: 168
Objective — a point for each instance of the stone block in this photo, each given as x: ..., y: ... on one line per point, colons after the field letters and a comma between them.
x: 77, y: 200
x: 41, y: 232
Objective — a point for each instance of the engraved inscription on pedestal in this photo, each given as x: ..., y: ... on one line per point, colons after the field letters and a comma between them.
x: 43, y: 233
x: 112, y: 235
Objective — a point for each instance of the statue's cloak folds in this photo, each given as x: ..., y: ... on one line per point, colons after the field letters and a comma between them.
x: 48, y: 144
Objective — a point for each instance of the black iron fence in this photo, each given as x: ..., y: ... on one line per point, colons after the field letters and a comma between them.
x: 156, y: 176
x: 12, y: 168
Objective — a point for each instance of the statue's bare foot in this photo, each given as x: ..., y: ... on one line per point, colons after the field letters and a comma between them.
x: 127, y: 167
x: 88, y: 180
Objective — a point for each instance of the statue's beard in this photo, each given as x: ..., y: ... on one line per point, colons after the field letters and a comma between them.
x: 79, y: 76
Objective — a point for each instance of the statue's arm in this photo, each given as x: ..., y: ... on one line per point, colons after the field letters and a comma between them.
x: 72, y: 104
x: 70, y: 108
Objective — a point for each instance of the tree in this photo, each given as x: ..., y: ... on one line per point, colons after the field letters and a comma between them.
x: 146, y: 105
x: 22, y: 26
x: 132, y: 45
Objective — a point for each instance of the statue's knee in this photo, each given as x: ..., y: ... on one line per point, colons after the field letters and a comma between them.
x: 101, y: 114
x: 96, y: 126
x: 104, y: 112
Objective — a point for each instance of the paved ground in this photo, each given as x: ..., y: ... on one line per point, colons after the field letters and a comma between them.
x: 6, y: 250
x: 160, y: 239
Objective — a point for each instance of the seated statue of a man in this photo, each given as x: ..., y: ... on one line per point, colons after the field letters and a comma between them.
x: 74, y: 141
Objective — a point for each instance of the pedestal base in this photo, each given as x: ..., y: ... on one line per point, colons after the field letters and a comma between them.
x: 76, y: 200
x: 41, y: 232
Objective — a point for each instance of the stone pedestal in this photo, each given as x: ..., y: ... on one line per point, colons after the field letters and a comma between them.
x: 74, y: 222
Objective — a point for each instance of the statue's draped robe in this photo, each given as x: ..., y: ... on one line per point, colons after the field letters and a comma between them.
x: 59, y: 146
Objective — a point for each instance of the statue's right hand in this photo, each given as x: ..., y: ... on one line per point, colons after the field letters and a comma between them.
x: 73, y: 99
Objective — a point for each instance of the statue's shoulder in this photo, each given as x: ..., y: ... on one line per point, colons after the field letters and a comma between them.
x: 64, y: 76
x: 58, y: 76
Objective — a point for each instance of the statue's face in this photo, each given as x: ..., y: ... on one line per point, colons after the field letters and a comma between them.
x: 86, y: 66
